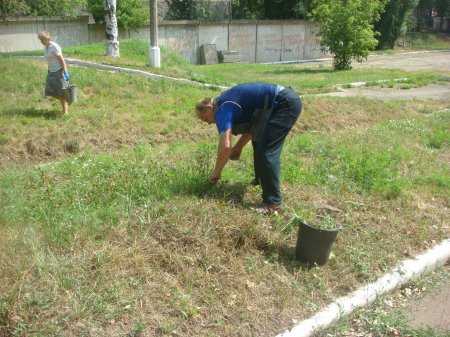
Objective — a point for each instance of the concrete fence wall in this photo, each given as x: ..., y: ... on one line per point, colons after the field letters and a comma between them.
x: 21, y: 34
x: 441, y: 24
x: 257, y: 41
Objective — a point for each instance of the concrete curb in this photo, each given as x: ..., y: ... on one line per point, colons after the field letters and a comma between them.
x: 400, y: 275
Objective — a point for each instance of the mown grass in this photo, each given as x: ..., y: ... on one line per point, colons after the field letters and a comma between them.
x: 132, y: 240
x: 304, y: 78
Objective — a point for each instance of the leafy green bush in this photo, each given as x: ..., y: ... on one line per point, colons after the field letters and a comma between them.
x: 347, y: 28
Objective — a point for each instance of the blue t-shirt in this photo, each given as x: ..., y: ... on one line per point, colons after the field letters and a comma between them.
x: 237, y: 104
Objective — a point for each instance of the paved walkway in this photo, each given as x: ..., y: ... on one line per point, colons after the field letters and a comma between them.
x: 437, y: 92
x: 409, y: 61
x: 412, y: 61
x: 433, y: 310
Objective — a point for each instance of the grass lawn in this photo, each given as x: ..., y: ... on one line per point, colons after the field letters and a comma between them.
x: 303, y: 78
x: 123, y: 236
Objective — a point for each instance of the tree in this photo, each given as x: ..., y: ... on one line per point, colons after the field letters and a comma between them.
x: 197, y: 10
x: 270, y: 9
x: 247, y: 9
x: 68, y: 8
x: 346, y: 28
x: 112, y: 32
x: 284, y: 9
x: 13, y: 8
x: 393, y: 20
x: 442, y: 7
x: 130, y: 13
x: 180, y: 10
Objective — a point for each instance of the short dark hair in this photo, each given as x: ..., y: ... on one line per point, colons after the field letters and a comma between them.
x: 201, y: 106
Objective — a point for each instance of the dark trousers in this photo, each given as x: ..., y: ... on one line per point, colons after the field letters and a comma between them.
x: 267, y: 150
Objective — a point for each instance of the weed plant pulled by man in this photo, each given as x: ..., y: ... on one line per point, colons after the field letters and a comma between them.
x: 258, y: 112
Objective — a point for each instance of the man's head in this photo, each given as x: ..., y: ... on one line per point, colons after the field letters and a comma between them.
x: 205, y: 110
x: 44, y: 37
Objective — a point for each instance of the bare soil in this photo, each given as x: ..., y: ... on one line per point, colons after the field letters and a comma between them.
x: 433, y: 91
x: 412, y: 61
x: 433, y: 310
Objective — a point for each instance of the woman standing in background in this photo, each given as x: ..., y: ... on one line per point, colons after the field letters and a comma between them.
x: 58, y: 77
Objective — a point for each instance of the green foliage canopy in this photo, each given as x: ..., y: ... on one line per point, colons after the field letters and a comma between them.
x: 270, y: 9
x: 347, y: 28
x: 393, y: 21
x: 13, y: 8
x: 130, y: 13
x: 240, y: 9
x: 69, y: 8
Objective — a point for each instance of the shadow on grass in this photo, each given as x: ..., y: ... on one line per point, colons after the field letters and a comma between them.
x: 33, y: 113
x: 232, y: 193
x: 229, y: 192
x: 285, y: 255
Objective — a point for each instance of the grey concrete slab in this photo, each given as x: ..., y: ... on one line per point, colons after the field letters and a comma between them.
x: 243, y: 39
x: 269, y: 43
x: 293, y: 42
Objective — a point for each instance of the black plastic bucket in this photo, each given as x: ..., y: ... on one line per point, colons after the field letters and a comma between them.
x: 313, y: 244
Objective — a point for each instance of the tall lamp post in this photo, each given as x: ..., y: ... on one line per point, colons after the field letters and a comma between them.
x: 154, y: 52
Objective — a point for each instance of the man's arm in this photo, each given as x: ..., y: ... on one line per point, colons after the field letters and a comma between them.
x: 237, y: 148
x: 223, y: 154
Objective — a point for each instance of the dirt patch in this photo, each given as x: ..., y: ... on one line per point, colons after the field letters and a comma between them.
x: 433, y: 310
x: 412, y: 61
x: 436, y: 92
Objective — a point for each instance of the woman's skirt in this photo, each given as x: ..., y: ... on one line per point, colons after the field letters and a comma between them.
x: 56, y: 85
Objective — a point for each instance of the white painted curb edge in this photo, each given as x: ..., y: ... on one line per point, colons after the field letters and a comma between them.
x: 107, y: 67
x: 400, y: 275
x: 140, y: 72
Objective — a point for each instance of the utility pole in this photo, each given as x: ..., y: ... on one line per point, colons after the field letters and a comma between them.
x: 155, y: 53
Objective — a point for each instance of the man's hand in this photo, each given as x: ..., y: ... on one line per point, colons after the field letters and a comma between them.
x: 214, y: 178
x: 235, y: 154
